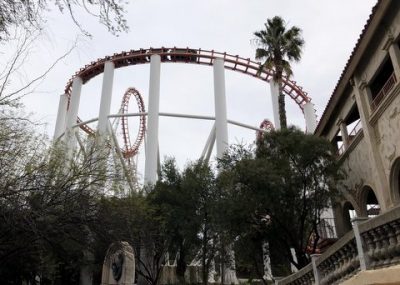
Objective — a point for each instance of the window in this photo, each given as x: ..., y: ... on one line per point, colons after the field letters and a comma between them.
x: 353, y: 123
x: 395, y: 180
x: 338, y: 143
x: 348, y: 214
x: 370, y: 203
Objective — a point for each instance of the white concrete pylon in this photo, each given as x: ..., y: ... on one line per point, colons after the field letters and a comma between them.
x: 311, y: 119
x: 221, y: 121
x: 106, y: 96
x: 150, y: 172
x: 274, y: 86
x: 72, y: 113
x: 210, y: 142
x: 61, y: 116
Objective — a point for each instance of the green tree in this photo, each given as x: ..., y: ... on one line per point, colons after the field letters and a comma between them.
x: 174, y: 206
x: 135, y: 220
x: 200, y: 179
x: 47, y: 204
x: 189, y: 203
x: 277, y: 47
x: 281, y: 189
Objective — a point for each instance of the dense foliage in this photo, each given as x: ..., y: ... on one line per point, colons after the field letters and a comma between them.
x: 57, y: 216
x: 279, y: 191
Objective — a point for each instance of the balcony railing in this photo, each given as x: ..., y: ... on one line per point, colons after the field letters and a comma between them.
x: 384, y: 91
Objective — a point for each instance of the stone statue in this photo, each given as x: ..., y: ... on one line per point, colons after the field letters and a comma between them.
x: 119, y: 265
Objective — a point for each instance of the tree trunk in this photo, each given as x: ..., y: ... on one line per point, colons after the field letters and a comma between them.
x: 181, y: 266
x: 204, y: 258
x: 282, y: 109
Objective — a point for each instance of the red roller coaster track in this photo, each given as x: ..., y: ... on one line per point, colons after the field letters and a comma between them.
x: 131, y: 150
x: 265, y: 125
x: 192, y: 56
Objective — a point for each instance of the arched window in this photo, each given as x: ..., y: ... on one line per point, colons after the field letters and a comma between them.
x: 395, y: 181
x: 348, y: 214
x: 369, y: 203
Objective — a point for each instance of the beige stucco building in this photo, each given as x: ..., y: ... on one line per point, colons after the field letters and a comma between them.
x: 362, y: 119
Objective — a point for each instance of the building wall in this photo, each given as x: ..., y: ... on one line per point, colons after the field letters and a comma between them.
x: 387, y: 129
x: 369, y: 157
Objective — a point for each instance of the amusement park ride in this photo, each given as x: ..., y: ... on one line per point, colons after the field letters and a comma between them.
x: 68, y: 122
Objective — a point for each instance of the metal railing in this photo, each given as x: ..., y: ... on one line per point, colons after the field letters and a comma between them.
x: 384, y: 91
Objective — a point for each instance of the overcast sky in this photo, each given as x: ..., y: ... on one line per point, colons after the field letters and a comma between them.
x: 330, y: 30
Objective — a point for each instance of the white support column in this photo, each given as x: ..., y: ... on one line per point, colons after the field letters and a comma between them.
x: 311, y: 119
x: 61, y: 114
x: 221, y: 121
x: 72, y: 113
x: 211, y: 147
x: 150, y: 172
x: 106, y: 96
x: 275, y: 103
x: 221, y: 129
x: 316, y: 272
x: 210, y: 140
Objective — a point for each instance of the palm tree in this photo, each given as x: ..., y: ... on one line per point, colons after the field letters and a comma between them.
x: 277, y: 47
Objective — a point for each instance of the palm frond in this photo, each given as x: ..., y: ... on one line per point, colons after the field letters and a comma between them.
x: 277, y: 46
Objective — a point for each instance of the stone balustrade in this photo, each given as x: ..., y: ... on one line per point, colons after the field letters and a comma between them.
x: 304, y: 276
x: 381, y: 239
x: 339, y: 262
x: 377, y: 238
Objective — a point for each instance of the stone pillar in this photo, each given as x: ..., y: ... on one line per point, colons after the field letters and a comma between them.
x: 317, y: 277
x: 275, y: 103
x: 292, y: 267
x: 150, y: 172
x: 72, y: 114
x: 394, y: 53
x: 339, y: 219
x: 361, y: 256
x: 106, y: 96
x: 61, y: 115
x: 345, y: 134
x: 221, y: 121
x: 382, y: 185
x: 266, y: 261
x: 311, y: 119
x: 230, y: 268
